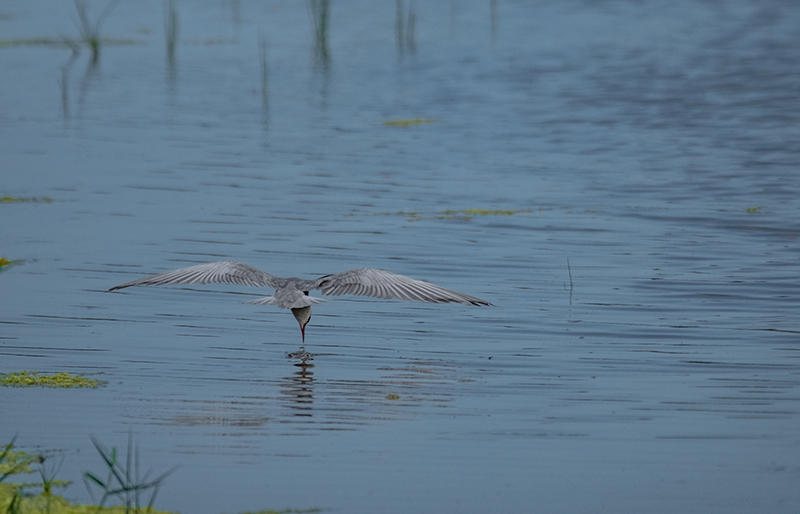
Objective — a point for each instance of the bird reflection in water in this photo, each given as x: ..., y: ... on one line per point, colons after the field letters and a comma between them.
x: 298, y: 387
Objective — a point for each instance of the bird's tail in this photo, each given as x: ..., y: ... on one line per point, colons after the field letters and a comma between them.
x: 297, y: 302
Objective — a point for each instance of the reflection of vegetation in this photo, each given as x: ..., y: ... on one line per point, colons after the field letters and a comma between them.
x: 171, y: 25
x: 463, y: 215
x: 33, y: 379
x: 404, y: 28
x: 319, y: 15
x: 262, y: 54
x: 409, y: 122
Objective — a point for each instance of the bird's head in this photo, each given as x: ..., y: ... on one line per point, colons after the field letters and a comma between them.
x: 302, y: 315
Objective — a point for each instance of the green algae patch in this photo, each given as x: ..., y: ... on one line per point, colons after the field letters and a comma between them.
x: 4, y: 262
x: 489, y: 212
x: 285, y: 511
x: 18, y: 199
x: 408, y: 123
x: 754, y: 210
x: 34, y: 379
x: 451, y: 214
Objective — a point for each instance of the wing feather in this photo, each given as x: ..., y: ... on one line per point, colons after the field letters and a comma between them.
x: 227, y: 272
x: 385, y: 284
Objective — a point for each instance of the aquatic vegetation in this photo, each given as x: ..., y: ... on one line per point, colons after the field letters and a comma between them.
x: 408, y: 122
x: 33, y: 41
x: 15, y: 499
x: 123, y: 480
x: 64, y: 42
x: 90, y: 32
x: 392, y: 396
x: 32, y: 379
x: 262, y: 54
x: 16, y: 199
x: 12, y: 500
x: 487, y: 212
x: 285, y: 511
x: 754, y: 210
x: 12, y: 497
x: 4, y: 262
x: 14, y: 463
x: 171, y: 26
x: 404, y: 28
x: 462, y: 215
x: 320, y: 17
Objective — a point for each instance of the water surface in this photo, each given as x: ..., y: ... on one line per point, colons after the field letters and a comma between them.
x: 643, y: 351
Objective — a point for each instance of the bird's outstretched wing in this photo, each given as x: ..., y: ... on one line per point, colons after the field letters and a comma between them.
x: 385, y: 284
x: 228, y: 272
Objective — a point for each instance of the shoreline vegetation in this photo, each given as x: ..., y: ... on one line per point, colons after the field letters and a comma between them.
x: 123, y: 483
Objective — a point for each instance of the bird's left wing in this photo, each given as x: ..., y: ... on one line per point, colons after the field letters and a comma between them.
x: 385, y: 284
x: 229, y: 272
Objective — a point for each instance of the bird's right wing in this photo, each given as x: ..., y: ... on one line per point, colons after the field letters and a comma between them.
x: 229, y: 272
x: 385, y: 284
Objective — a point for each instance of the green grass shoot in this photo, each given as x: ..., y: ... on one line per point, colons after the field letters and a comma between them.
x: 123, y: 479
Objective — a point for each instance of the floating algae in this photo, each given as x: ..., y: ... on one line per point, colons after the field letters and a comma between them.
x: 408, y: 123
x: 450, y: 214
x: 32, y: 378
x: 17, y: 199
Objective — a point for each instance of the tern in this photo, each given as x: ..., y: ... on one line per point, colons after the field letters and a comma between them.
x: 292, y: 293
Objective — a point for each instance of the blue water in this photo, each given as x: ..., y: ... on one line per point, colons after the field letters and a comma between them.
x: 642, y: 354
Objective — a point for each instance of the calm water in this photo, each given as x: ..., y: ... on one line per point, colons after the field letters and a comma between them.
x: 644, y: 351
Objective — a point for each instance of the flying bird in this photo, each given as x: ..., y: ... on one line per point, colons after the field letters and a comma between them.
x: 292, y: 293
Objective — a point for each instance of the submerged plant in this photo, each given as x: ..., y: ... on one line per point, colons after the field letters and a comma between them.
x: 123, y: 479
